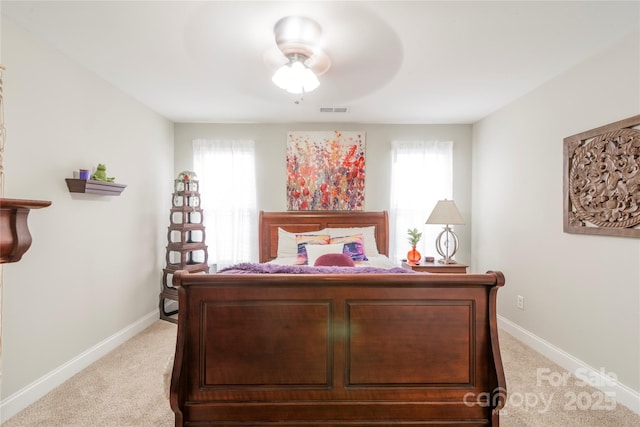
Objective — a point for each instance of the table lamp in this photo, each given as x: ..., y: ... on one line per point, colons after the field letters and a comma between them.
x: 445, y: 212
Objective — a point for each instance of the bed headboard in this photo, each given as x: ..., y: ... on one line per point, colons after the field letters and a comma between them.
x: 302, y: 221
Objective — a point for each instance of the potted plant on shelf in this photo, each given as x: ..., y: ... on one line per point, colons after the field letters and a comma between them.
x: 413, y: 256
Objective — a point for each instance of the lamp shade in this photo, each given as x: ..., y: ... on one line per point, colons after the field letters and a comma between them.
x: 445, y: 212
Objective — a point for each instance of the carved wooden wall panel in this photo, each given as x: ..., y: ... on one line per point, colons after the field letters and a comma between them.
x: 602, y: 180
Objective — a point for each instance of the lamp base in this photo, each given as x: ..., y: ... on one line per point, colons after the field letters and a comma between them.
x: 447, y: 246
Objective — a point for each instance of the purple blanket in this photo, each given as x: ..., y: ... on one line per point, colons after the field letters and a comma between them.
x: 253, y: 268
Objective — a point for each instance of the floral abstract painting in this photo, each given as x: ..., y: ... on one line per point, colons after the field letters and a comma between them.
x: 325, y: 171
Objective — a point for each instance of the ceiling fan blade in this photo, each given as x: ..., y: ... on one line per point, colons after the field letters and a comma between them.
x: 319, y: 62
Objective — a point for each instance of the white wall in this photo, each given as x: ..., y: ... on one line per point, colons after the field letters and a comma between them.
x: 271, y: 151
x: 582, y: 293
x: 95, y: 263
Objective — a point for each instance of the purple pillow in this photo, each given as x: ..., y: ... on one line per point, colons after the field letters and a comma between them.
x: 334, y: 260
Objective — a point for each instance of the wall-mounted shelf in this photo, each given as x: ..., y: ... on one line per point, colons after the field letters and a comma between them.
x: 90, y: 186
x: 15, y: 237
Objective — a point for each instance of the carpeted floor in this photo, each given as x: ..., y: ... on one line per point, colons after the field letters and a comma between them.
x: 126, y: 389
x: 536, y: 397
x: 123, y: 389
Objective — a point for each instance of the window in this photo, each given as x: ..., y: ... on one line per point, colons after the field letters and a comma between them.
x: 421, y: 174
x: 226, y: 170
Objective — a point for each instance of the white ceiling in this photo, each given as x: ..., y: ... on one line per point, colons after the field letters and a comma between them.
x: 392, y: 61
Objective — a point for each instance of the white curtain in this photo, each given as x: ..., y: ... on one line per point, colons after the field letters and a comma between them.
x: 421, y: 174
x: 226, y: 170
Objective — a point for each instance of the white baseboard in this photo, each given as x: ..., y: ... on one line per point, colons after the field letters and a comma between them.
x: 36, y: 390
x: 623, y: 394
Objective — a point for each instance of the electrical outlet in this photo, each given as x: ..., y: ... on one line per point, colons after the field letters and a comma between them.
x: 520, y: 302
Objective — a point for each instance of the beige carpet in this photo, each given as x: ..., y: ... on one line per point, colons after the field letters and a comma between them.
x: 536, y: 400
x: 125, y: 389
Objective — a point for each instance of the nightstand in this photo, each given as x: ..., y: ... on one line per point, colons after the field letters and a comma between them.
x: 436, y: 267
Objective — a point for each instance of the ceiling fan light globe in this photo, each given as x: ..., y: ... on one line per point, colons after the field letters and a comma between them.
x: 310, y: 81
x: 295, y: 89
x: 295, y: 78
x: 282, y: 77
x: 297, y: 68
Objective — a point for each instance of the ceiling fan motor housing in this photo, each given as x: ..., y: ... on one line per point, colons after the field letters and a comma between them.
x: 297, y: 35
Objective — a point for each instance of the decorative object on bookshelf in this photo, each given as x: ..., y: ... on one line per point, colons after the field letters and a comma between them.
x: 186, y: 248
x: 101, y: 174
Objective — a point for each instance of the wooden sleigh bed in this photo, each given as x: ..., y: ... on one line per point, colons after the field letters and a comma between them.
x: 339, y: 349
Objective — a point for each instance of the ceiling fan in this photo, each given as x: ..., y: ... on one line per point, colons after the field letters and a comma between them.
x: 299, y: 55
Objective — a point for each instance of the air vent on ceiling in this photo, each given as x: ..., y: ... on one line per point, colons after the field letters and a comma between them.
x: 334, y: 109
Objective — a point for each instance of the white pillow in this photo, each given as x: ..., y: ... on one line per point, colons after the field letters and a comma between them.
x: 287, y: 245
x: 316, y: 251
x: 368, y: 237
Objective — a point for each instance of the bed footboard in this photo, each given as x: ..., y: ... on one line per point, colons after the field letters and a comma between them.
x: 338, y: 350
